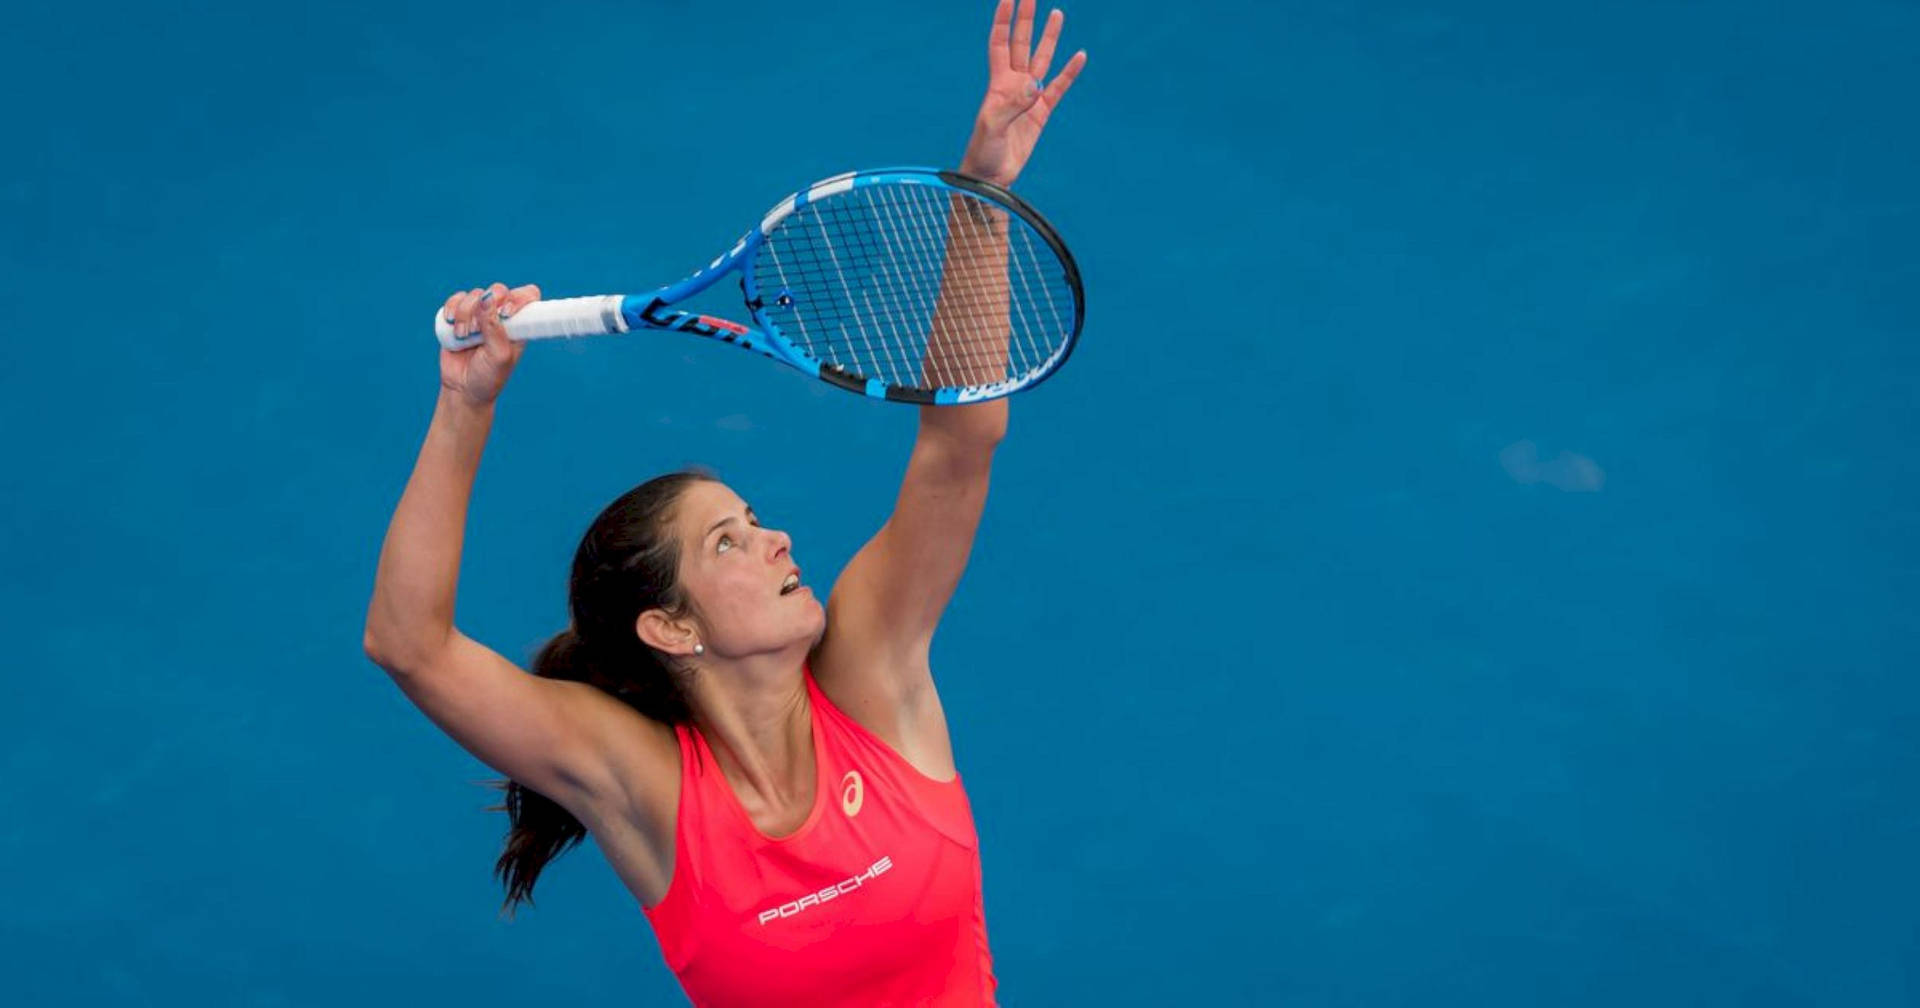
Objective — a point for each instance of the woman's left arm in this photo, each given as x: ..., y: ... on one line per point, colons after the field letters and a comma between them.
x: 883, y: 611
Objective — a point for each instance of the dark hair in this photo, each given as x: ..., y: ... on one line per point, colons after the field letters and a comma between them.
x: 627, y: 563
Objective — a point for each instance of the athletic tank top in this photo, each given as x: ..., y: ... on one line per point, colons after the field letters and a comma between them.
x: 874, y: 900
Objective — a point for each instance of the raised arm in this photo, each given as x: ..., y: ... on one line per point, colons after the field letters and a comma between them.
x: 1011, y: 118
x: 883, y: 611
x: 561, y: 739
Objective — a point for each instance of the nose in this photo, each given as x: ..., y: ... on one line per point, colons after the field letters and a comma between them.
x: 782, y: 543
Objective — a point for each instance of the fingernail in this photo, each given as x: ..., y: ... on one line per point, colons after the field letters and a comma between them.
x: 504, y: 314
x: 485, y: 297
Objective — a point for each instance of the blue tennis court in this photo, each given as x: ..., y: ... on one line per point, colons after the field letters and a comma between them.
x: 1470, y: 559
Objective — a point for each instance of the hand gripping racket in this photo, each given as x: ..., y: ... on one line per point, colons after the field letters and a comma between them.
x: 908, y: 284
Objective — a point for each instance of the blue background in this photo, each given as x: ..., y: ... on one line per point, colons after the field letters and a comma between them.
x: 1471, y: 559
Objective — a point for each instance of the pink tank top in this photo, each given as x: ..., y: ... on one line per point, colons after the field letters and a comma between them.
x: 874, y: 900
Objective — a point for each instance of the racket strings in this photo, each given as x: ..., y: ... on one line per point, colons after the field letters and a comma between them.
x: 916, y: 286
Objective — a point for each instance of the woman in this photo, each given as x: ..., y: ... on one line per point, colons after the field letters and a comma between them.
x: 771, y: 778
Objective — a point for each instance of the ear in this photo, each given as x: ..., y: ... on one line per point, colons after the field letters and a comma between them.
x: 663, y: 633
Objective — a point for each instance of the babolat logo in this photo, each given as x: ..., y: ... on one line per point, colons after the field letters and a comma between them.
x: 699, y: 325
x: 814, y: 899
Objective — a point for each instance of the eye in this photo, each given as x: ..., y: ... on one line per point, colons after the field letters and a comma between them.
x: 725, y: 543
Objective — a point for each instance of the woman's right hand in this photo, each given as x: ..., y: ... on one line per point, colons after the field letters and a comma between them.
x: 479, y: 372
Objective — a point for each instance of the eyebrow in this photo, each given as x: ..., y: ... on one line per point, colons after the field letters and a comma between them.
x: 723, y: 521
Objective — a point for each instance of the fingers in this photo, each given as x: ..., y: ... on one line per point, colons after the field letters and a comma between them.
x: 1043, y: 58
x: 522, y: 296
x: 1022, y: 35
x: 459, y: 311
x: 489, y: 312
x: 997, y: 39
x: 1058, y: 89
x: 450, y: 310
x: 485, y: 309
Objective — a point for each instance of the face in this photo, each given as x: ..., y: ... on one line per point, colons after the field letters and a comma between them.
x: 733, y: 568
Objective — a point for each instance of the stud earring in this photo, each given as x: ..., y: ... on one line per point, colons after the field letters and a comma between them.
x: 699, y: 649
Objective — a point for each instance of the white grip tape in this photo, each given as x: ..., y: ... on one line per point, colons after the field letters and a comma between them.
x: 598, y: 315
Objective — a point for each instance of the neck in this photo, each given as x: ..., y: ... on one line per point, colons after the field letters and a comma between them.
x: 755, y: 715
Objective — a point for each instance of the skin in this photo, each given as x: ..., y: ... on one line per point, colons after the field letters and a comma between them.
x: 868, y: 646
x: 747, y: 694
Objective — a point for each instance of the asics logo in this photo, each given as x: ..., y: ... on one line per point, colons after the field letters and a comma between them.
x: 852, y: 793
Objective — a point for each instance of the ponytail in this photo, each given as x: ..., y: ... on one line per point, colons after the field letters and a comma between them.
x: 627, y: 563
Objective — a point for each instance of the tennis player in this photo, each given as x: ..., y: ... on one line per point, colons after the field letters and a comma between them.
x: 771, y: 777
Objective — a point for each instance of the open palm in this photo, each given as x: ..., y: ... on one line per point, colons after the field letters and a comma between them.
x: 1017, y: 104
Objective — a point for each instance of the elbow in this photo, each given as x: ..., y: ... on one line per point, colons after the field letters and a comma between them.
x: 398, y: 637
x: 378, y: 649
x: 395, y: 652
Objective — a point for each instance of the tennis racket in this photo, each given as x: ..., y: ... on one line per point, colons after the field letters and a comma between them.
x: 907, y: 284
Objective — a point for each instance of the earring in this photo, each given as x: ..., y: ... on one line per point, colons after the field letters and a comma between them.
x: 699, y: 649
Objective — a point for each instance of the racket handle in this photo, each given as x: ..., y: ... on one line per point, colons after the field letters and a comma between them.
x: 579, y: 316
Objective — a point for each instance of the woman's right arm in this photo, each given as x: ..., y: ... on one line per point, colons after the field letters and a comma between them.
x: 568, y: 741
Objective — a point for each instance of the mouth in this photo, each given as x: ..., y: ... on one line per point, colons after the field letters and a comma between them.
x: 792, y: 583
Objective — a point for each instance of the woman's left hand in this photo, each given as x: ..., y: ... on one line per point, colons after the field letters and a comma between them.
x: 1017, y: 104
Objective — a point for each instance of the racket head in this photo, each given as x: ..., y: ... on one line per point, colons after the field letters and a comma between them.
x: 848, y: 275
